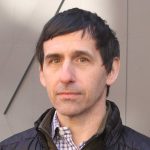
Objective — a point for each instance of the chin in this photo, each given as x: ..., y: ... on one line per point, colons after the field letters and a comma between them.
x: 68, y: 112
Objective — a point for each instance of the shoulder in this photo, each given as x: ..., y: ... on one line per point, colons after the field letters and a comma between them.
x: 19, y: 140
x: 134, y: 139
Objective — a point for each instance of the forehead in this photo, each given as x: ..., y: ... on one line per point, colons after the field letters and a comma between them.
x: 69, y: 43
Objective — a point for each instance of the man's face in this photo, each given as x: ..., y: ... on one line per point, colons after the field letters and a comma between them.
x: 73, y: 74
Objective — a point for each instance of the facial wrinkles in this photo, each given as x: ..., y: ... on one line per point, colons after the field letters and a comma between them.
x: 70, y: 86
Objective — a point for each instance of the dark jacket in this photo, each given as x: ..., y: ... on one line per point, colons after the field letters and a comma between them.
x: 114, y: 137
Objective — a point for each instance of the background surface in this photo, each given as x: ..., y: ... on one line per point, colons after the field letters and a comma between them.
x: 20, y: 26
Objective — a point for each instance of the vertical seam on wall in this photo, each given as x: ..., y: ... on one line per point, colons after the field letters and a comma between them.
x: 126, y: 88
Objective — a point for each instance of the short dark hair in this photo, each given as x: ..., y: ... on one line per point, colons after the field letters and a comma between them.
x: 76, y: 19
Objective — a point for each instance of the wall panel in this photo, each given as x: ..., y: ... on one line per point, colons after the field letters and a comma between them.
x: 138, y: 83
x: 19, y: 30
x: 20, y: 26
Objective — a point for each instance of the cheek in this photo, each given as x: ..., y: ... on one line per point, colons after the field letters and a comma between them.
x: 97, y: 82
x: 50, y: 86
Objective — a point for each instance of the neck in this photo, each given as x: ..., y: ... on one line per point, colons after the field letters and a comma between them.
x: 85, y: 125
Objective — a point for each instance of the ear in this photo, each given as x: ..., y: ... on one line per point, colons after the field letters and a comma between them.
x: 112, y: 76
x: 42, y: 77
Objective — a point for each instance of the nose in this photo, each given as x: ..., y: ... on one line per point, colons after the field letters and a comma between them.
x: 67, y: 73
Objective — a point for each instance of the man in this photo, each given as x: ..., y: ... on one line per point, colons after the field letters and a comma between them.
x: 79, y: 60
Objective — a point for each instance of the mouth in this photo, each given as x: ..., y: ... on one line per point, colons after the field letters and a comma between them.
x: 68, y: 95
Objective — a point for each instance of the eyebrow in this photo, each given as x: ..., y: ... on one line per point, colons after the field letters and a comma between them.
x: 76, y: 53
x: 80, y: 53
x: 49, y: 56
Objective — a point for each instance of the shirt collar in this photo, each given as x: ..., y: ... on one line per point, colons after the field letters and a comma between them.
x: 55, y: 125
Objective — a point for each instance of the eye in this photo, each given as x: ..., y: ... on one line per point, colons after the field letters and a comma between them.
x: 55, y: 60
x: 82, y: 60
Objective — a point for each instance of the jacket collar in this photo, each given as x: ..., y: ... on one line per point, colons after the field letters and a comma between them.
x: 113, y: 126
x: 110, y: 130
x: 43, y: 127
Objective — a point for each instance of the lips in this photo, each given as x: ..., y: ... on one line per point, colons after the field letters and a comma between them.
x: 68, y: 95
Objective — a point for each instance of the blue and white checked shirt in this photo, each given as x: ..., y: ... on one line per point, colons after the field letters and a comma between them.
x: 62, y: 136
